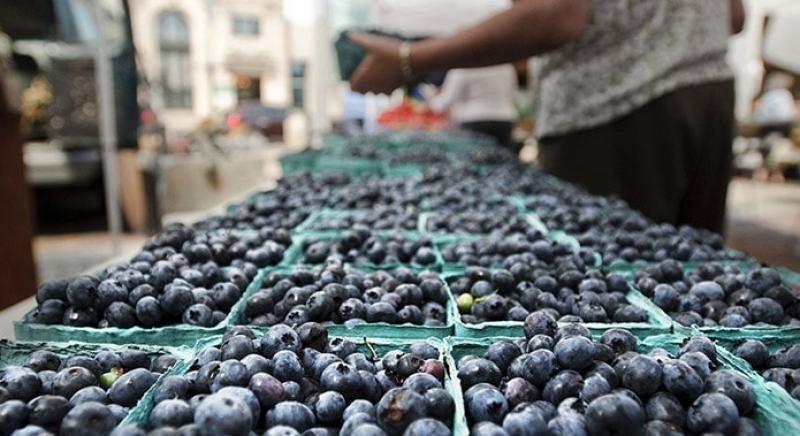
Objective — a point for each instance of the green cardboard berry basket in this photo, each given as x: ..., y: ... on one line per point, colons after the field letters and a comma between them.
x: 295, y: 256
x: 171, y: 335
x: 658, y: 321
x: 373, y: 348
x: 14, y: 353
x: 370, y: 330
x: 776, y: 413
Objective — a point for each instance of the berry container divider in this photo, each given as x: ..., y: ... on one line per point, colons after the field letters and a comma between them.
x: 789, y: 277
x: 659, y: 322
x: 776, y: 413
x: 307, y: 227
x: 354, y: 167
x: 631, y: 268
x: 294, y: 255
x: 171, y: 335
x: 375, y: 347
x: 368, y: 330
x: 15, y: 353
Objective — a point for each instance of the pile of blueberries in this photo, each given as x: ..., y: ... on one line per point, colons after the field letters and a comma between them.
x: 75, y: 395
x: 336, y: 294
x: 568, y: 294
x: 618, y: 233
x: 379, y: 218
x: 531, y: 249
x: 360, y: 245
x: 561, y: 382
x: 156, y: 288
x: 293, y: 381
x: 715, y: 295
x: 781, y: 367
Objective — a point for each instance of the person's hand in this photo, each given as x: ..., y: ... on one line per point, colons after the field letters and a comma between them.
x: 380, y: 71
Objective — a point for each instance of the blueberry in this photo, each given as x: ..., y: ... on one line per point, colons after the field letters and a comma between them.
x: 518, y: 390
x: 89, y: 393
x: 663, y: 406
x: 280, y: 337
x: 707, y: 291
x: 52, y: 290
x: 109, y: 291
x: 537, y: 367
x: 329, y: 407
x: 485, y: 403
x: 41, y: 360
x: 735, y: 387
x: 699, y: 362
x: 175, y: 300
x: 120, y: 314
x: 282, y: 430
x: 526, y: 421
x: 223, y: 414
x: 148, y: 311
x: 666, y: 297
x: 642, y: 375
x: 701, y: 344
x: 286, y: 366
x: 358, y: 406
x: 130, y: 387
x: 713, y: 412
x: 427, y: 427
x: 230, y: 373
x: 489, y: 429
x: 267, y: 389
x: 502, y: 353
x: 199, y: 315
x: 439, y: 404
x: 680, y: 379
x: 342, y: 378
x: 567, y: 383
x: 785, y: 357
x: 291, y: 414
x: 171, y: 413
x: 575, y: 352
x: 256, y: 363
x: 13, y: 415
x: 80, y: 317
x: 82, y: 292
x: 479, y: 371
x: 88, y: 419
x: 593, y: 387
x: 539, y: 322
x: 407, y: 364
x: 172, y: 387
x: 572, y: 425
x: 381, y: 312
x: 540, y: 342
x: 132, y: 359
x: 753, y: 351
x: 421, y: 383
x: 50, y: 312
x: 245, y: 395
x: 354, y: 421
x: 614, y: 414
x: 766, y: 310
x: 70, y: 380
x: 236, y: 347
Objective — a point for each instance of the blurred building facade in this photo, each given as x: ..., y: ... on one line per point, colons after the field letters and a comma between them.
x: 200, y: 59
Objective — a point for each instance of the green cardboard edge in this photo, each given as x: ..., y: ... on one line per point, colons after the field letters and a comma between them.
x: 139, y: 416
x: 370, y: 330
x: 172, y: 335
x: 306, y: 228
x: 660, y: 322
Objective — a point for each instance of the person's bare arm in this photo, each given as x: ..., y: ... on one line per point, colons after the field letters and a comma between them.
x: 528, y: 28
x: 737, y: 16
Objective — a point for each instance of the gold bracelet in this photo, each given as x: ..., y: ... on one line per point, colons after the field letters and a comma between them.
x: 405, y: 61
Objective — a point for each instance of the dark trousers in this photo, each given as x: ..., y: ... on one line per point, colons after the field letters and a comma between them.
x: 670, y: 159
x: 500, y: 131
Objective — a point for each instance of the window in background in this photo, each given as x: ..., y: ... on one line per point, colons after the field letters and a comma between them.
x: 243, y: 25
x: 173, y: 38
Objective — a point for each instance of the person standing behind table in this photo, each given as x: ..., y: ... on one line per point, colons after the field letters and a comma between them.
x: 634, y: 97
x: 480, y: 100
